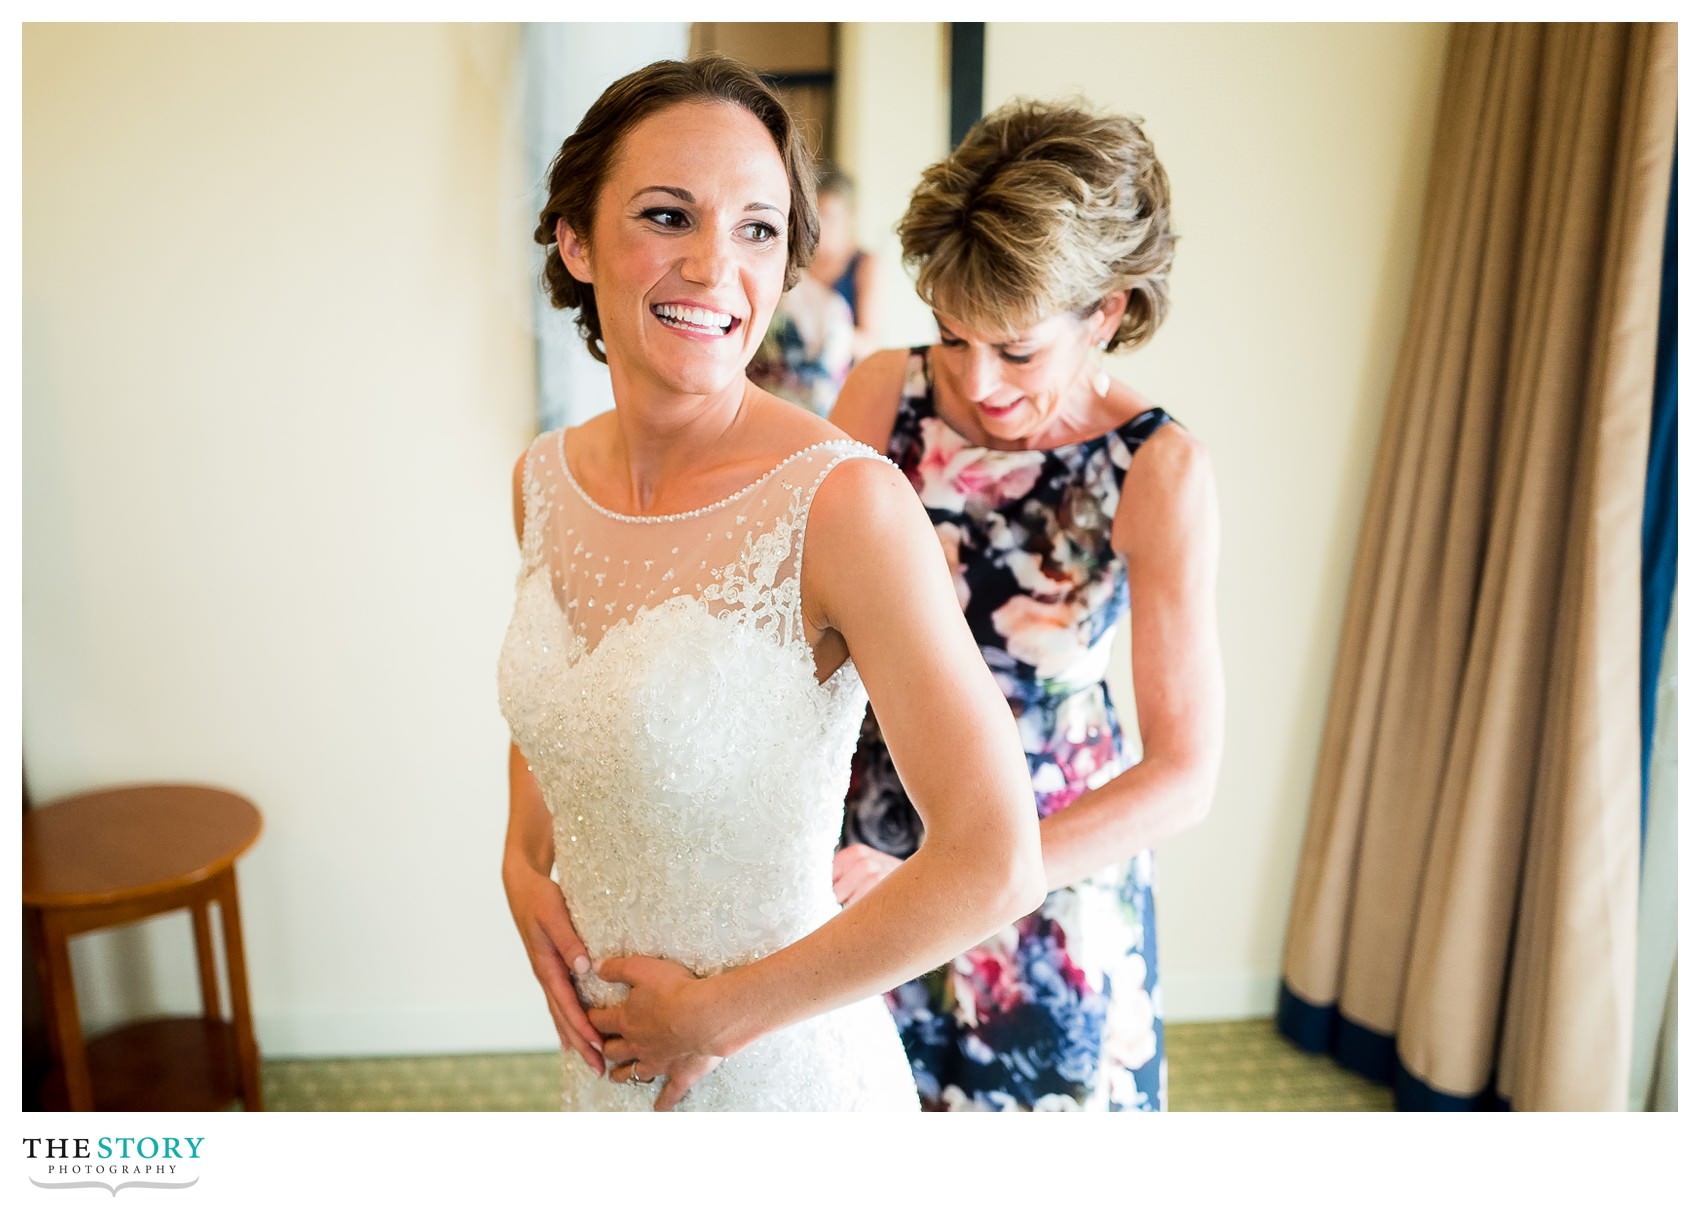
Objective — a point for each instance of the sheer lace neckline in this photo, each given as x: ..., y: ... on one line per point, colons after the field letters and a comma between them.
x: 699, y: 511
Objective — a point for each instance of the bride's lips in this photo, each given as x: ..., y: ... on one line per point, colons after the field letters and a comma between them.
x: 696, y: 320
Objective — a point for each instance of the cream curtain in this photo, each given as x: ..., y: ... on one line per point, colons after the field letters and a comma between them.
x: 1467, y: 887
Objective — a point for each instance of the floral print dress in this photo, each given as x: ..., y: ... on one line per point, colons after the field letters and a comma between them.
x: 1060, y: 1010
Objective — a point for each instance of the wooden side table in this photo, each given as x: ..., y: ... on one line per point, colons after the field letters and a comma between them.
x: 117, y: 856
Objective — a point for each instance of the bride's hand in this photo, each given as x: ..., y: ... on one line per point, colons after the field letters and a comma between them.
x: 858, y: 868
x: 657, y: 1030
x: 555, y: 951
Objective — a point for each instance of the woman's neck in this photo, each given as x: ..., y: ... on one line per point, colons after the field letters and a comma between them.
x: 665, y: 439
x: 1085, y: 415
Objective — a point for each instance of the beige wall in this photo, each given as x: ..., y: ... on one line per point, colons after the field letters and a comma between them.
x: 277, y: 367
x: 1296, y: 155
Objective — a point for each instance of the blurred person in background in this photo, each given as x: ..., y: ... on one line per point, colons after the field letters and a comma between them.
x: 806, y: 353
x: 841, y: 264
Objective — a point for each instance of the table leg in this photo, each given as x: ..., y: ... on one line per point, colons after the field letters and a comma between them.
x: 241, y: 1016
x: 204, y: 960
x: 43, y: 977
x: 65, y: 1029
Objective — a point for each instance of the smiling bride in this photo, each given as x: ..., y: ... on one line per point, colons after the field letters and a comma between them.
x: 684, y: 685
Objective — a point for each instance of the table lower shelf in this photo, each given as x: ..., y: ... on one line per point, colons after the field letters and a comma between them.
x: 159, y: 1065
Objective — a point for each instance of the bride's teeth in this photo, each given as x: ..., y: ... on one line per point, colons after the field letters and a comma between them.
x: 701, y: 317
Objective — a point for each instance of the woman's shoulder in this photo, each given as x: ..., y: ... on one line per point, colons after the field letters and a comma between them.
x: 1151, y: 456
x: 1139, y: 422
x: 543, y: 446
x: 872, y: 394
x: 571, y: 445
x: 1133, y: 421
x: 792, y: 437
x: 863, y: 503
x: 529, y: 471
x: 789, y: 434
x: 785, y: 428
x: 882, y: 373
x: 1168, y: 473
x: 1169, y: 454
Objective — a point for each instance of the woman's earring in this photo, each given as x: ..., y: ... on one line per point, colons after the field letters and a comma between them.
x: 1101, y: 377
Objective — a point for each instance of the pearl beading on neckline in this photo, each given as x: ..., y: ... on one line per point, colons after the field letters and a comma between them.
x: 685, y: 516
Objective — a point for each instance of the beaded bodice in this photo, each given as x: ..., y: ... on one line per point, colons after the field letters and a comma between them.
x: 658, y: 680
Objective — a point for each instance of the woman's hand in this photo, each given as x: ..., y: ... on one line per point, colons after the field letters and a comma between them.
x: 555, y: 951
x: 658, y: 1031
x: 858, y: 868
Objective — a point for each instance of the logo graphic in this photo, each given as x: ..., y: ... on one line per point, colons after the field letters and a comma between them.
x: 114, y: 1163
x: 115, y: 1188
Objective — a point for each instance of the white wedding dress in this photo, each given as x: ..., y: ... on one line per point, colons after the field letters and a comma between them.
x: 657, y: 678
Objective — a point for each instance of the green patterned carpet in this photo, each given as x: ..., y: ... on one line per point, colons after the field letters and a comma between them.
x: 1238, y: 1066
x: 1246, y: 1066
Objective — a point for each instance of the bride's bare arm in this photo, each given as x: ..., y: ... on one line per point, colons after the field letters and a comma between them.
x: 538, y: 910
x: 873, y: 573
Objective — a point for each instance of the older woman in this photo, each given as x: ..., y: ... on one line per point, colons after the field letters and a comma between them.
x: 1059, y: 495
x: 684, y: 687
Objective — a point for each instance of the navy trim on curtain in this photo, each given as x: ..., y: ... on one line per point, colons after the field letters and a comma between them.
x: 1322, y: 1029
x: 1658, y: 515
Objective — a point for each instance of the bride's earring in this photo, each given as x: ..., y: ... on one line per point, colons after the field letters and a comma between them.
x: 1100, y: 376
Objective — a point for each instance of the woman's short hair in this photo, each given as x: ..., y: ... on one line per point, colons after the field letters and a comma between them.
x: 1044, y: 208
x: 580, y: 167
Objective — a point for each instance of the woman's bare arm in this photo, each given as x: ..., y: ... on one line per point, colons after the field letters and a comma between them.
x: 866, y: 408
x: 1168, y: 529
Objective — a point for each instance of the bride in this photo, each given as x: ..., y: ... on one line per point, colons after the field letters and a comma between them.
x: 684, y: 689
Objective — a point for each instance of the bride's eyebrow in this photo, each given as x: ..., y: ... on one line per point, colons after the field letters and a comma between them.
x: 684, y: 195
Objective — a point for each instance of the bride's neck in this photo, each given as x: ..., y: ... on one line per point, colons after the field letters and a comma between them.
x: 662, y: 438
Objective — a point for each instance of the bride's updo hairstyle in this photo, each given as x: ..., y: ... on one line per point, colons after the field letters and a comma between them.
x: 1043, y: 208
x: 578, y: 170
